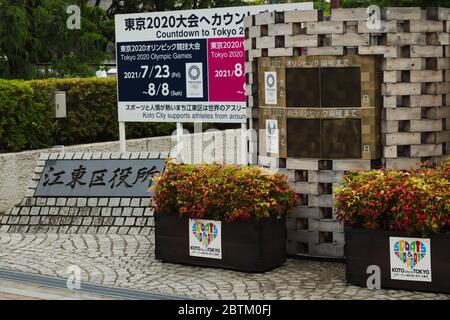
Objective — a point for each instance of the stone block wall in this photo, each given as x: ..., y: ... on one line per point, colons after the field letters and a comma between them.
x: 414, y: 45
x: 312, y: 226
x: 81, y: 215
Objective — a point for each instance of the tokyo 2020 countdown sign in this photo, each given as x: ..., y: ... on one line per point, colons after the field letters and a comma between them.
x: 184, y: 66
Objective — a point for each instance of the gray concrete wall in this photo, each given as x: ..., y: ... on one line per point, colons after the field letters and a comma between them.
x: 17, y: 169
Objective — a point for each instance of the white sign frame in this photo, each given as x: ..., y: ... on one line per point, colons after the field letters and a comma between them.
x: 240, y: 109
x: 152, y: 33
x: 236, y: 110
x: 404, y: 265
x: 205, y: 243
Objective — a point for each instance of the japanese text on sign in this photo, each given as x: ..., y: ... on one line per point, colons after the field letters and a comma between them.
x: 105, y: 178
x: 184, y: 66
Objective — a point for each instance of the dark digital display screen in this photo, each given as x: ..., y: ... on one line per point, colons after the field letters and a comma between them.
x: 324, y: 138
x: 340, y: 87
x: 302, y: 87
x: 303, y: 138
x: 323, y: 87
x: 341, y: 138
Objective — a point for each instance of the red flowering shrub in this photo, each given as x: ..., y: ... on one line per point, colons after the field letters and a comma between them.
x: 217, y: 191
x: 415, y: 201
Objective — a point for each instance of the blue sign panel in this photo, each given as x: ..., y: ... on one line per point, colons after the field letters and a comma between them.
x: 169, y: 70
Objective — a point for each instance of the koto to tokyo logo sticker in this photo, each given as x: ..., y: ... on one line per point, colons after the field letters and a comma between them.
x: 205, y: 238
x: 205, y: 233
x: 410, y: 253
x: 410, y: 259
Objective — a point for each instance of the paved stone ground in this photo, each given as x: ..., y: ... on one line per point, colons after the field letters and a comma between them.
x: 128, y: 261
x: 11, y: 290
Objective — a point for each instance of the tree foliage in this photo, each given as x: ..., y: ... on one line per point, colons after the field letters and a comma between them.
x: 34, y: 32
x: 395, y: 3
x: 322, y: 4
x: 14, y: 38
x: 118, y: 7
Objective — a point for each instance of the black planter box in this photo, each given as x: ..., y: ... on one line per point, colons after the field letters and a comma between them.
x: 250, y: 246
x: 371, y: 247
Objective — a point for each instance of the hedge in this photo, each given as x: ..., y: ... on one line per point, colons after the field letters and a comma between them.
x: 22, y: 118
x: 26, y: 120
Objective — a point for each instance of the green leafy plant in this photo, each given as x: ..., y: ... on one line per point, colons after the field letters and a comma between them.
x: 415, y: 201
x: 220, y: 191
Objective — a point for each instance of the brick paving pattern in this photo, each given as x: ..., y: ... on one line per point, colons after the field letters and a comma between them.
x: 128, y: 261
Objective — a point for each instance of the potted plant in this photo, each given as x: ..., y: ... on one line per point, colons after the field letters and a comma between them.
x: 221, y: 215
x: 399, y: 221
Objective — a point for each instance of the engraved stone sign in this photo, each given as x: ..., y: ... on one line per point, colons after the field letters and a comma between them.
x: 98, y: 178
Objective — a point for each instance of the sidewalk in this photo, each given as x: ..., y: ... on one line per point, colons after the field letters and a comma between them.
x: 129, y: 262
x: 10, y: 290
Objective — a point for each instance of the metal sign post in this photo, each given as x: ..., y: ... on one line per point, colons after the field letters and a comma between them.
x: 244, y: 144
x: 122, y: 138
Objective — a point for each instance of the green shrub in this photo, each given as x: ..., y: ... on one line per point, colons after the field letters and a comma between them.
x: 22, y: 119
x: 415, y: 201
x: 217, y: 191
x: 27, y: 122
x: 92, y: 111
